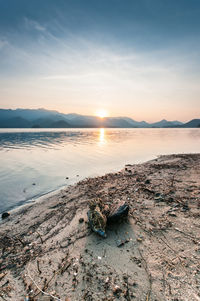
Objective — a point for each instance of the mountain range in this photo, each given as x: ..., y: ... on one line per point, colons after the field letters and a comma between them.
x: 41, y: 118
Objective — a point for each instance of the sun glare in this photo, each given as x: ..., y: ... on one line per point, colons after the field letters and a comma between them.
x: 102, y: 113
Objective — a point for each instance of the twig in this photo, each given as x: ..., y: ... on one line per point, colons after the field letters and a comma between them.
x: 172, y: 181
x: 61, y: 270
x: 176, y: 253
x: 39, y: 236
x: 149, y: 276
x: 38, y: 267
x: 20, y: 240
x: 164, y: 281
x: 2, y: 276
x: 168, y: 246
x: 186, y: 234
x: 47, y: 294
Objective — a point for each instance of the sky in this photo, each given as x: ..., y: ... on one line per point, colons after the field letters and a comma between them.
x: 135, y: 58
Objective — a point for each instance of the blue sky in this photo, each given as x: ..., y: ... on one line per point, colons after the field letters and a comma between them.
x: 135, y: 58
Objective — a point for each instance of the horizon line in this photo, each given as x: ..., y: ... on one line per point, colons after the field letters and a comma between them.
x: 54, y: 110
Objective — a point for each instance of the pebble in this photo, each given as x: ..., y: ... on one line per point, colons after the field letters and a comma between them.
x: 117, y: 290
x: 172, y: 214
x: 121, y: 242
x: 5, y: 215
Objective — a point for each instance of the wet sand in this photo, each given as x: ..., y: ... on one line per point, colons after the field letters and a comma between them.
x: 48, y: 253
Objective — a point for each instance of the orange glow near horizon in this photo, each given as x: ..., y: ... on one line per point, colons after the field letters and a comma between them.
x: 101, y: 113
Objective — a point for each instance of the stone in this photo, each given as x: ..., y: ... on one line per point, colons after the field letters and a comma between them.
x: 96, y: 218
x: 5, y: 215
x: 119, y: 209
x: 100, y: 213
x: 117, y: 290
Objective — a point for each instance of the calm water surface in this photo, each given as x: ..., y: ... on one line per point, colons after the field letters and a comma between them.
x: 36, y: 161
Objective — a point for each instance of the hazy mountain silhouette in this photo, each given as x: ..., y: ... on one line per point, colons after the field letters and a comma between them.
x: 194, y: 123
x: 166, y: 123
x: 41, y: 118
x: 15, y: 122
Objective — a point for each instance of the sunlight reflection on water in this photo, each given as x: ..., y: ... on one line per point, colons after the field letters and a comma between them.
x: 47, y: 156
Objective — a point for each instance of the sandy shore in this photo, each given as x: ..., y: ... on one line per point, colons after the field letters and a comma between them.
x: 154, y: 255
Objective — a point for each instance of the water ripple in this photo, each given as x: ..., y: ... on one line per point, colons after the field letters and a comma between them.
x: 52, y: 158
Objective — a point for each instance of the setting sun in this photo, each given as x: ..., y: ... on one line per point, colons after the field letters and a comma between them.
x: 102, y: 113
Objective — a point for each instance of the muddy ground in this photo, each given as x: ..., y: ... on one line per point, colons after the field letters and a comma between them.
x: 49, y: 253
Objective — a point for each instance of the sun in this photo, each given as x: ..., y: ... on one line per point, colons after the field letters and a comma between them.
x: 101, y: 113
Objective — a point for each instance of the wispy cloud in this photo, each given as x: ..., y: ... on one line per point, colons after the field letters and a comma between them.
x: 73, y: 71
x: 3, y: 43
x: 32, y: 24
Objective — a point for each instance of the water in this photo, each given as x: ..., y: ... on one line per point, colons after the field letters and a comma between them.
x: 37, y: 161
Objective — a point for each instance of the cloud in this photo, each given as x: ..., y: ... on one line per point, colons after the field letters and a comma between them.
x: 3, y: 43
x: 75, y: 71
x: 32, y: 24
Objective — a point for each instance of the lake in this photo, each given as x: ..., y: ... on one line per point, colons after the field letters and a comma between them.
x: 36, y: 161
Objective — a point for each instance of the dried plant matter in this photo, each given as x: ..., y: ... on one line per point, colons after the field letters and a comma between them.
x: 48, y: 254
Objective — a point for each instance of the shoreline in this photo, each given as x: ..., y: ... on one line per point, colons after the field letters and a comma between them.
x: 34, y: 200
x: 45, y: 247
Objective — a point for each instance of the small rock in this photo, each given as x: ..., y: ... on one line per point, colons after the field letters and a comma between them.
x: 185, y: 207
x: 117, y: 290
x: 121, y: 242
x: 170, y: 200
x: 5, y: 215
x: 81, y: 220
x: 159, y: 199
x: 172, y: 214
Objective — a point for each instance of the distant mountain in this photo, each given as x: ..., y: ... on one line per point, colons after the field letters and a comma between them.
x: 176, y: 122
x: 41, y: 118
x: 133, y: 123
x: 50, y: 123
x: 164, y: 123
x: 194, y: 123
x: 15, y: 122
x: 28, y: 114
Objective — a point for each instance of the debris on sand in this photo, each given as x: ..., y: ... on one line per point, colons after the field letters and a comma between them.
x: 97, y: 218
x: 101, y: 212
x: 121, y: 242
x: 48, y: 251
